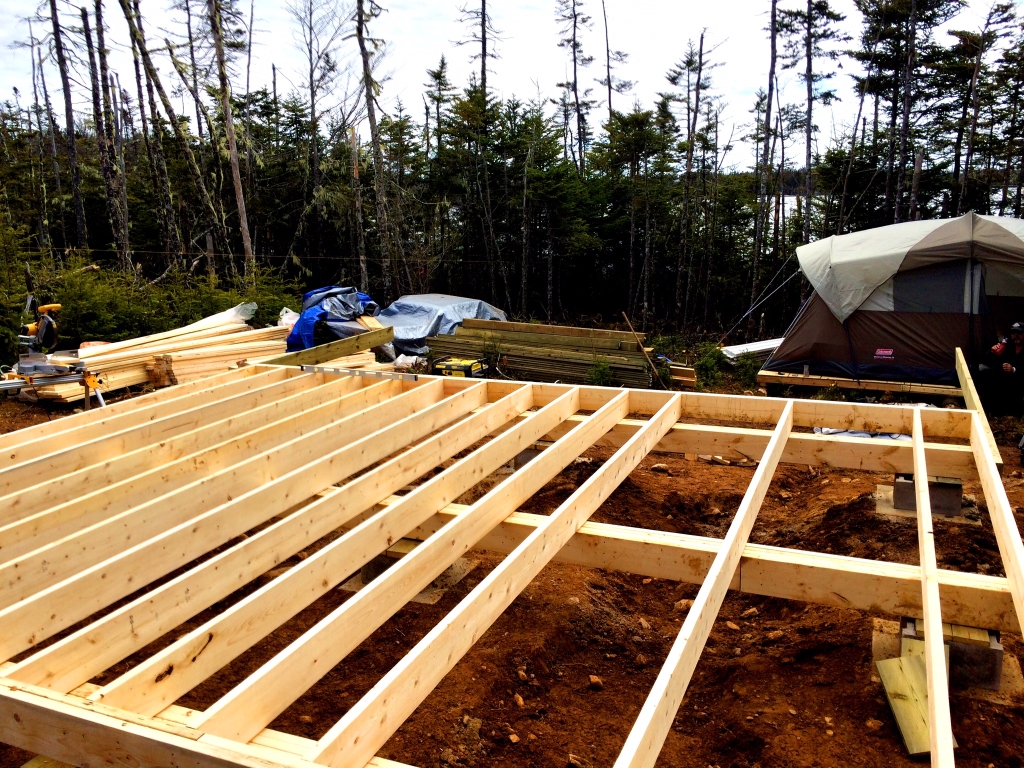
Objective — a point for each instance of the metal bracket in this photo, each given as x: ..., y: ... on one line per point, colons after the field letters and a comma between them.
x: 359, y: 372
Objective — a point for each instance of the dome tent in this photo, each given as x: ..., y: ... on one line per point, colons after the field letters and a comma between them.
x: 893, y: 303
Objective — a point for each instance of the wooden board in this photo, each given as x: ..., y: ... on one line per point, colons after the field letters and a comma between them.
x: 122, y: 528
x: 808, y: 380
x: 973, y: 402
x: 904, y: 679
x: 335, y: 349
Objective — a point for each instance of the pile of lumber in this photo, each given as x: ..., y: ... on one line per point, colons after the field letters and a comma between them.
x: 549, y: 352
x: 179, y: 355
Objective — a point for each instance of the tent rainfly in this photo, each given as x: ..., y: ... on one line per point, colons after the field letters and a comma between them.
x: 893, y: 303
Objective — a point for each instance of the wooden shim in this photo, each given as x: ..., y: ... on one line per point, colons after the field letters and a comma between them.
x: 74, y: 659
x: 370, y: 722
x: 147, y: 688
x: 940, y: 728
x: 61, y: 605
x: 737, y: 443
x: 973, y: 403
x: 307, y: 412
x: 834, y: 580
x: 283, y: 679
x: 339, y: 348
x: 645, y: 740
x: 1001, y: 514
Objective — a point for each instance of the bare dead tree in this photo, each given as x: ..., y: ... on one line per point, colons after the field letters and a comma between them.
x: 69, y: 115
x: 214, y: 9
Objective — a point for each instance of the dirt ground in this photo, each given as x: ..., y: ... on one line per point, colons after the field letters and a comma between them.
x: 806, y: 697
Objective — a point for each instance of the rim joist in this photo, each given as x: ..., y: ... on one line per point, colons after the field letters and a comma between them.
x: 132, y: 521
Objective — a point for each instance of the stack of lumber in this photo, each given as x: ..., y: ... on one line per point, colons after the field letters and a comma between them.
x: 203, y: 349
x: 549, y: 352
x: 683, y: 377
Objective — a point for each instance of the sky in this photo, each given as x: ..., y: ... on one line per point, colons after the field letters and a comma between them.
x: 654, y: 33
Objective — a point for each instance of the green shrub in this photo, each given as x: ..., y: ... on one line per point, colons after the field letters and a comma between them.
x: 746, y: 368
x: 600, y: 374
x: 708, y: 365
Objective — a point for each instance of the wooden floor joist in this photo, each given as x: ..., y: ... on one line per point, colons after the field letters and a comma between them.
x: 132, y: 521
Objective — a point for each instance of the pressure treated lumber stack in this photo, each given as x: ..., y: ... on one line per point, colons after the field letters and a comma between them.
x: 549, y: 352
x: 201, y: 351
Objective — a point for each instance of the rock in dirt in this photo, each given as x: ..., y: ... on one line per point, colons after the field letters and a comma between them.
x: 644, y: 623
x: 596, y: 683
x: 574, y: 601
x: 519, y: 701
x: 305, y: 719
x: 775, y: 634
x: 663, y: 468
x: 749, y: 612
x: 682, y: 605
x: 785, y: 495
x: 792, y: 711
x: 732, y: 626
x: 641, y: 660
x: 521, y: 672
x: 873, y: 725
x: 576, y: 762
x: 513, y: 738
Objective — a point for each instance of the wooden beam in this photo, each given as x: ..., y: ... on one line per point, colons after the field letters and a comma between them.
x: 74, y: 455
x: 782, y: 378
x: 864, y: 454
x: 1004, y: 525
x: 371, y: 721
x: 645, y: 740
x: 44, y: 613
x: 143, y: 412
x: 746, y: 410
x: 334, y: 349
x: 75, y: 659
x: 940, y: 728
x: 217, y: 446
x: 147, y: 688
x: 842, y: 582
x: 973, y: 402
x: 291, y: 672
x: 35, y: 571
x: 78, y: 420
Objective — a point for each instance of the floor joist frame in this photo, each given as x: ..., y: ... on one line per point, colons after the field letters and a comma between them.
x: 221, y: 480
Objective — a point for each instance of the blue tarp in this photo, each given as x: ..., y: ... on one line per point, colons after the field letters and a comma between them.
x: 417, y: 317
x: 338, y: 307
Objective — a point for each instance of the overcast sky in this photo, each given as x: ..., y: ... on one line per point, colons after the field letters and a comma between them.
x: 653, y: 32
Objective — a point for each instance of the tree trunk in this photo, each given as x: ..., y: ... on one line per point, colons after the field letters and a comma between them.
x: 764, y: 171
x: 681, y: 310
x: 580, y: 120
x: 205, y: 200
x: 211, y: 267
x: 364, y: 278
x: 69, y: 114
x: 908, y: 83
x: 915, y: 189
x: 608, y: 56
x: 102, y: 119
x: 384, y: 225
x: 229, y: 130
x: 809, y: 127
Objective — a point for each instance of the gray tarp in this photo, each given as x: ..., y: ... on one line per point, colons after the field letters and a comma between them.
x: 417, y: 317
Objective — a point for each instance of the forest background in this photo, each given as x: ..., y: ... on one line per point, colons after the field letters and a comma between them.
x: 193, y: 190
